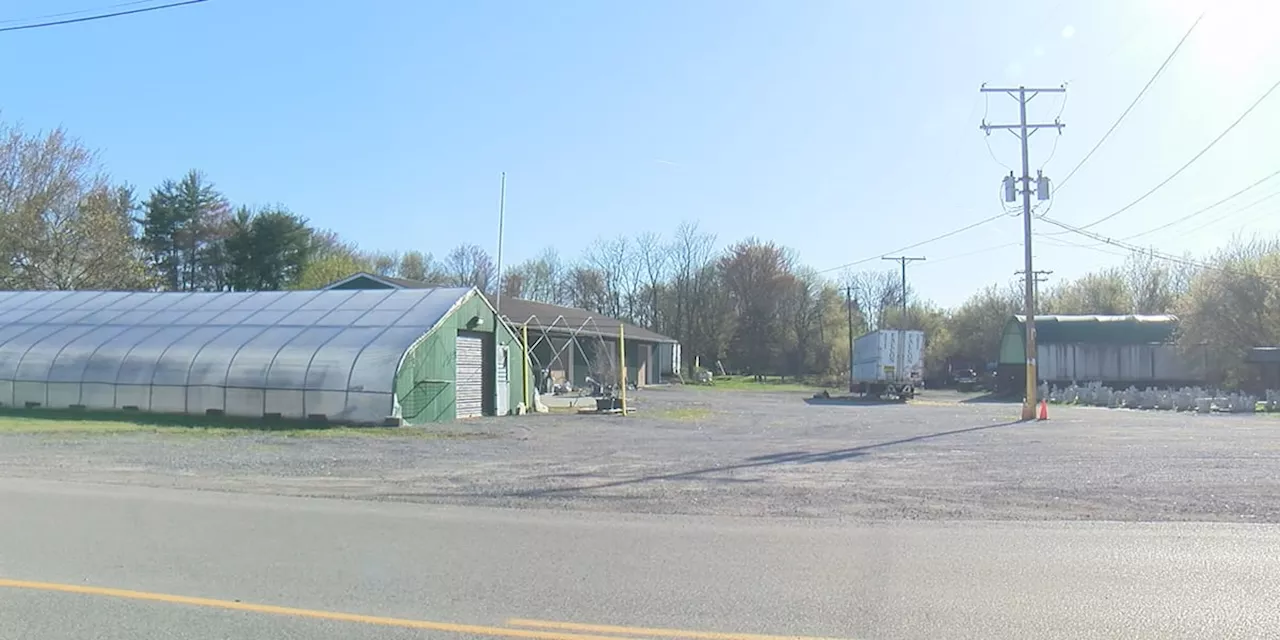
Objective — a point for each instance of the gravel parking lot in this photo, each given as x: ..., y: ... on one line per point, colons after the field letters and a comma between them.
x: 735, y: 453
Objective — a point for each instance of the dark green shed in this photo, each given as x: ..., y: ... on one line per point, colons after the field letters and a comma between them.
x: 1086, y: 329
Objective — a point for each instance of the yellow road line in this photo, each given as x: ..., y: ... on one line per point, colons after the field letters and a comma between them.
x: 646, y: 631
x: 449, y: 627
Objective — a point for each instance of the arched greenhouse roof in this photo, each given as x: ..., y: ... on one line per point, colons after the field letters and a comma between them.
x: 1100, y: 329
x: 289, y: 353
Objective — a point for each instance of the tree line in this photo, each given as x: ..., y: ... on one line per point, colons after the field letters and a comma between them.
x: 65, y: 224
x: 751, y: 305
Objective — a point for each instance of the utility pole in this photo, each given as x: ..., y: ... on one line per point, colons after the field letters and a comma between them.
x: 904, y: 260
x: 900, y: 364
x: 1040, y: 276
x: 1023, y: 131
x: 848, y: 304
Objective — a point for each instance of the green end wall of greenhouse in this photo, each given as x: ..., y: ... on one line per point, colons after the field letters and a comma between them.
x: 425, y: 381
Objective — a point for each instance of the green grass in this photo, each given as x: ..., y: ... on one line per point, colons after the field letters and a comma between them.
x: 687, y: 414
x: 57, y: 422
x: 748, y: 383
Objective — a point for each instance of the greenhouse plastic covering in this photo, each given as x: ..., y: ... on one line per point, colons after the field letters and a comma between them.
x: 296, y: 354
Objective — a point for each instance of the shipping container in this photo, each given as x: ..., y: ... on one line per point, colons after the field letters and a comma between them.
x: 888, y: 361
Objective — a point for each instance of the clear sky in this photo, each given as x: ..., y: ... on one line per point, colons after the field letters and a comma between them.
x: 843, y: 129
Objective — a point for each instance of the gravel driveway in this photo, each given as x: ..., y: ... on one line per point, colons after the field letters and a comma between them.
x: 735, y: 453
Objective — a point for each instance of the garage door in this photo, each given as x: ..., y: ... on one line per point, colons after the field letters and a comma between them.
x: 469, y: 380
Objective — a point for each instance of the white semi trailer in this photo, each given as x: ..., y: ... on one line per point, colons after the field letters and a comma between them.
x: 888, y: 362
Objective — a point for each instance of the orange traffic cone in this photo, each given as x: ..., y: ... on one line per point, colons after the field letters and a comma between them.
x: 1044, y: 409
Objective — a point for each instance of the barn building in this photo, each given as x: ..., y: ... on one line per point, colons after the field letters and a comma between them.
x: 355, y: 357
x: 1118, y: 351
x: 566, y: 343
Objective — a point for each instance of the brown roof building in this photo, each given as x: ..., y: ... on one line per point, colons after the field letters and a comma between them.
x: 566, y: 343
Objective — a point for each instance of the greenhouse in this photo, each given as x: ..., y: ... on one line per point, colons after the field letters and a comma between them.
x: 357, y: 357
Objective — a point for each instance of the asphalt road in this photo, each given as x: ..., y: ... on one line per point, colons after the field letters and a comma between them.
x: 431, y: 568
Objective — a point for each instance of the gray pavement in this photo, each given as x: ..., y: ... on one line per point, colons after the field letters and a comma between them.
x: 708, y: 511
x: 479, y: 566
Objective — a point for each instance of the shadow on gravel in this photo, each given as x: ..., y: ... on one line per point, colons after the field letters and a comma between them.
x: 853, y: 400
x: 788, y: 457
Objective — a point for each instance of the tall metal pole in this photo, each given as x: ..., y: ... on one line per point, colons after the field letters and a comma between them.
x: 1023, y: 131
x: 502, y: 214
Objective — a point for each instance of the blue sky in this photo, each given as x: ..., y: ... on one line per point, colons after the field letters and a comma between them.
x: 842, y: 129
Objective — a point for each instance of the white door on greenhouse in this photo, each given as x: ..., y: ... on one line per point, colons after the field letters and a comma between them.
x: 469, y: 376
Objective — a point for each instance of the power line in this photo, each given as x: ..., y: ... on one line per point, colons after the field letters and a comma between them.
x: 986, y: 98
x: 1131, y: 248
x: 975, y: 252
x: 1264, y: 214
x: 1235, y: 211
x: 1054, y: 151
x: 1117, y: 243
x: 1092, y: 247
x: 1200, y: 211
x: 1215, y: 220
x: 1190, y: 162
x: 100, y: 16
x: 918, y: 244
x: 77, y: 12
x: 1133, y: 104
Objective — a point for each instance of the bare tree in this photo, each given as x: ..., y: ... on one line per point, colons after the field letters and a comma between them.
x: 653, y: 259
x: 874, y: 294
x: 513, y: 283
x: 62, y: 225
x: 692, y: 280
x: 616, y: 262
x: 540, y: 278
x: 801, y: 312
x: 415, y: 265
x: 1154, y: 285
x: 470, y: 266
x: 586, y: 288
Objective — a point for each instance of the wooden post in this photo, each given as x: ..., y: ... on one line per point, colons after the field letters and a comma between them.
x: 622, y: 369
x: 524, y: 338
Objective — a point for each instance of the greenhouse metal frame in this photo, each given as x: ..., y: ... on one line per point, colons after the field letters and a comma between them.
x: 331, y: 355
